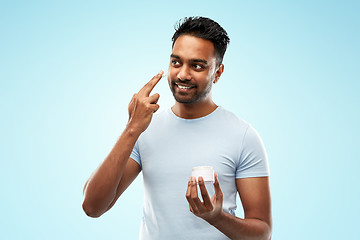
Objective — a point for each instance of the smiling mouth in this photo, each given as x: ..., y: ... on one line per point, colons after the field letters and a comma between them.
x: 183, y: 86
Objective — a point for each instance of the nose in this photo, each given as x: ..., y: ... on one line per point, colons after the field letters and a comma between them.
x: 184, y: 73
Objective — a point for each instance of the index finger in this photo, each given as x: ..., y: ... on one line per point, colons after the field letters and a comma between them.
x: 204, y: 193
x: 148, y: 87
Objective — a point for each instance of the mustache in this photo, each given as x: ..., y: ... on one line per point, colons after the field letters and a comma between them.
x: 183, y: 81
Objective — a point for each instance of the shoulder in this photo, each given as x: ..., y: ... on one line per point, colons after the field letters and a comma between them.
x: 160, y: 116
x: 239, y: 128
x: 159, y: 120
x: 232, y: 121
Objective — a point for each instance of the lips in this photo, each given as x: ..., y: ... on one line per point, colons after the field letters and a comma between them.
x: 184, y: 86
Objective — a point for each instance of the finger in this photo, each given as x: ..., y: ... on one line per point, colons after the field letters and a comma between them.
x: 148, y: 87
x: 188, y: 196
x: 218, y: 192
x: 204, y: 193
x: 188, y: 190
x: 190, y: 208
x: 198, y: 205
x: 154, y: 98
x: 154, y: 107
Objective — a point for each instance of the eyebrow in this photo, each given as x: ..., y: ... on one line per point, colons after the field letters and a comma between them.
x: 191, y: 60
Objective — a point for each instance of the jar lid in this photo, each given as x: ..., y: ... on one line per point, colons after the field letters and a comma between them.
x: 206, y: 172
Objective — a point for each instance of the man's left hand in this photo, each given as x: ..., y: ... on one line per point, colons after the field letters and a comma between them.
x: 209, y: 209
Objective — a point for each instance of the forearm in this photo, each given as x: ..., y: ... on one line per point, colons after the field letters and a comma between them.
x: 100, y: 189
x: 242, y: 229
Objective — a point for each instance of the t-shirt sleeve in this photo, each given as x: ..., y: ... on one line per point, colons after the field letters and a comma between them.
x: 135, y: 154
x: 253, y: 160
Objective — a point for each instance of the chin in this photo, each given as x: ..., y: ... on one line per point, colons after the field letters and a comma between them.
x: 185, y: 100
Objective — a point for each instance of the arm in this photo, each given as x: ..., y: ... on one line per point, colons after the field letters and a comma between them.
x: 117, y: 171
x: 255, y: 198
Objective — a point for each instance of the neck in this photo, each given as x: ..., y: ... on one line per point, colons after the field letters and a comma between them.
x: 193, y: 110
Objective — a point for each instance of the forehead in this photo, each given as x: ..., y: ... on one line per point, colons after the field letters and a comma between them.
x: 189, y: 47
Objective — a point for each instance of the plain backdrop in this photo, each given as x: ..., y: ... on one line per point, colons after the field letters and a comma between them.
x: 69, y: 68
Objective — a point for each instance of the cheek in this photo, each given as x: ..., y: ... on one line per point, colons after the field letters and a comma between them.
x: 169, y: 80
x: 172, y: 73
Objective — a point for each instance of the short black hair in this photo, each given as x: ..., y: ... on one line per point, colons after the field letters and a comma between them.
x: 204, y: 28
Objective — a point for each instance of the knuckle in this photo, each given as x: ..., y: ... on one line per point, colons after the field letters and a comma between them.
x: 144, y: 102
x: 148, y: 108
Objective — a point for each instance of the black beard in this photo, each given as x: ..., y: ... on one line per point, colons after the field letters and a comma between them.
x: 196, y: 97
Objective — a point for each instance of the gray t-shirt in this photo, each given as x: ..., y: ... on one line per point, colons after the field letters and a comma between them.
x: 169, y: 149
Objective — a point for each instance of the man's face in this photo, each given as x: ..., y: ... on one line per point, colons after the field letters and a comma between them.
x: 192, y: 69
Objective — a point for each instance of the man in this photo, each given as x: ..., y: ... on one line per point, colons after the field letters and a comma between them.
x: 195, y: 132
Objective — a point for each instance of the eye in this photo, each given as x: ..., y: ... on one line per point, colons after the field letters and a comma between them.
x: 198, y: 67
x: 175, y: 63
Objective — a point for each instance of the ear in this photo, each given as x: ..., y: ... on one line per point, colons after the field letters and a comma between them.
x: 218, y: 73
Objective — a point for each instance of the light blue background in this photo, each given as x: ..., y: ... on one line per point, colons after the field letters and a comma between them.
x: 69, y: 68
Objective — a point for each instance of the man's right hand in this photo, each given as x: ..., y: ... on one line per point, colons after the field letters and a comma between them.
x: 116, y: 172
x: 142, y: 106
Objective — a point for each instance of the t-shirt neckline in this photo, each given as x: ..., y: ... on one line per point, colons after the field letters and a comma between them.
x: 217, y: 109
